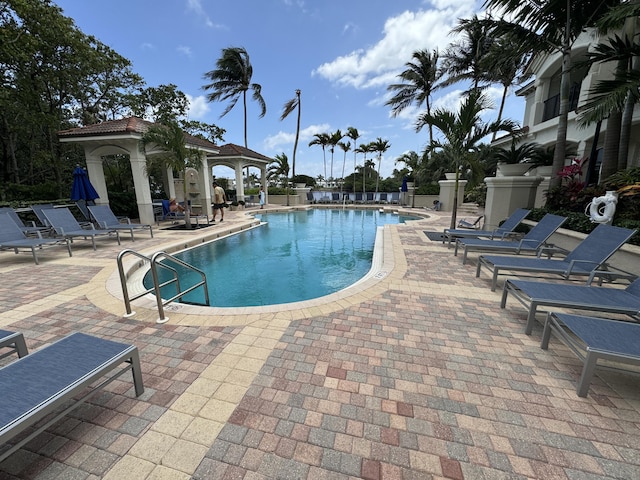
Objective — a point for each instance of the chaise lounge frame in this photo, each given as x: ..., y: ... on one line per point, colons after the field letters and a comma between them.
x: 14, y: 341
x: 40, y: 384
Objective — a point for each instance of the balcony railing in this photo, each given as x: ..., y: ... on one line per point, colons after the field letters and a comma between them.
x: 552, y: 104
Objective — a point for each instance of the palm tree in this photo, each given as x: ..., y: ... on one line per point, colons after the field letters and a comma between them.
x: 279, y: 170
x: 175, y: 155
x: 334, y: 139
x: 462, y: 132
x: 463, y: 60
x: 353, y: 134
x: 231, y: 79
x: 321, y: 139
x: 418, y: 83
x: 345, y: 146
x: 290, y: 106
x: 380, y: 146
x: 547, y: 26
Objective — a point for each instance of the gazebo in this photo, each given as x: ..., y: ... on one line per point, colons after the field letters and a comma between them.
x: 123, y: 136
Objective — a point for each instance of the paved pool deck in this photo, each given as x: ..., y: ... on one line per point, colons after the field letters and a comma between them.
x: 414, y: 373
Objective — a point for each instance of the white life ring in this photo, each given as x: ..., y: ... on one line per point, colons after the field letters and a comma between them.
x: 602, y: 209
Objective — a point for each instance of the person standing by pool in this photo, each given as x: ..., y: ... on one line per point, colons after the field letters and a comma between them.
x: 262, y: 197
x: 219, y: 200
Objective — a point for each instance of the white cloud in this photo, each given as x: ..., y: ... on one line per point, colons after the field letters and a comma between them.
x: 198, y: 107
x: 147, y: 46
x: 275, y: 142
x: 196, y: 7
x: 402, y: 35
x: 186, y: 51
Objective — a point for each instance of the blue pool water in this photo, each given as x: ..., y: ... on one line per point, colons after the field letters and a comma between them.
x: 292, y: 257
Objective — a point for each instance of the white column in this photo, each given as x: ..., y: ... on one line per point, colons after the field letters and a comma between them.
x: 96, y: 176
x: 169, y: 183
x: 205, y: 186
x: 142, y: 186
x: 239, y: 183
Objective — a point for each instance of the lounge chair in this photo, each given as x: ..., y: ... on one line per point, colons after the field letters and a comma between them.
x: 39, y: 209
x: 593, y: 339
x: 310, y: 197
x: 106, y: 220
x: 54, y: 380
x: 585, y: 259
x: 65, y: 225
x: 533, y: 294
x: 469, y: 224
x: 369, y: 198
x: 383, y: 198
x: 167, y: 214
x: 31, y: 229
x: 532, y: 242
x: 503, y: 231
x: 12, y: 238
x: 395, y: 198
x: 359, y: 198
x: 14, y: 341
x: 335, y: 198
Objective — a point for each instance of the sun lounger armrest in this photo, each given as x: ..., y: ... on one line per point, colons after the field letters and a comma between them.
x: 574, y: 263
x: 611, y: 274
x: 523, y: 241
x: 549, y: 250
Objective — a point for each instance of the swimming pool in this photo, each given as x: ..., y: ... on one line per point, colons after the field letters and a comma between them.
x: 291, y: 257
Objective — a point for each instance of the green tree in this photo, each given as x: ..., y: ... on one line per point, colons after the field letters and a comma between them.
x: 174, y: 153
x: 321, y: 139
x: 462, y: 132
x: 551, y: 26
x: 353, y: 134
x: 380, y: 146
x: 290, y: 106
x: 231, y: 79
x: 418, y: 84
x: 278, y: 170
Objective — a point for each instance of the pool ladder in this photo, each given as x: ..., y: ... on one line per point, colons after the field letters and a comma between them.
x: 155, y: 264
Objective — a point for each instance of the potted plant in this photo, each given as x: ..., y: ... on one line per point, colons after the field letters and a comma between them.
x: 237, y: 205
x: 515, y: 161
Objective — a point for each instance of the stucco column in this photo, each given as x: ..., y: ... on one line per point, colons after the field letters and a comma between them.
x: 447, y: 191
x: 205, y: 186
x: 142, y: 186
x: 96, y: 176
x: 505, y: 194
x: 263, y: 182
x: 169, y: 183
x: 239, y: 183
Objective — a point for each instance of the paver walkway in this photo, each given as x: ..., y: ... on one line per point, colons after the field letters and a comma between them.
x: 416, y: 374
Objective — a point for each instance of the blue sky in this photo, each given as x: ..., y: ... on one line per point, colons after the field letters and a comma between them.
x: 340, y: 54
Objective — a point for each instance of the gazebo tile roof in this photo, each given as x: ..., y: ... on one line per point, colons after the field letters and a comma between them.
x: 232, y: 150
x: 127, y: 125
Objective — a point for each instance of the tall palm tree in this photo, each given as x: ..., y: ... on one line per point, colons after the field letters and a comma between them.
x: 462, y: 131
x: 334, y: 139
x: 462, y: 60
x: 345, y: 146
x: 353, y: 134
x: 418, y: 84
x: 174, y: 154
x: 279, y: 170
x: 231, y: 79
x: 321, y: 139
x: 552, y: 26
x: 290, y: 106
x: 380, y: 146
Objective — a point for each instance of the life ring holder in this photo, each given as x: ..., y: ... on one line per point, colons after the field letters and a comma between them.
x: 601, y: 209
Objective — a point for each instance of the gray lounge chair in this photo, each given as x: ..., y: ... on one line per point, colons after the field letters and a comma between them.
x: 31, y: 229
x: 12, y: 238
x: 395, y: 198
x: 335, y: 198
x: 39, y: 209
x: 503, y: 231
x: 593, y: 339
x: 533, y: 294
x: 65, y: 225
x: 532, y: 242
x: 469, y: 224
x: 369, y: 197
x: 106, y: 220
x: 54, y: 380
x: 14, y: 341
x: 383, y: 198
x: 585, y: 259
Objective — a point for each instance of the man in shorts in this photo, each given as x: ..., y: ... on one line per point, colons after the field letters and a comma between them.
x: 219, y: 201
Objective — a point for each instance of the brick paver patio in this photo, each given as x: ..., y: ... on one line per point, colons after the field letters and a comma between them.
x: 417, y: 374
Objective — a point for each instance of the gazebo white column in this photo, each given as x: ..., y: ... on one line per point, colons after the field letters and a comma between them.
x: 205, y: 185
x: 96, y: 175
x: 239, y: 183
x: 505, y: 194
x: 169, y: 183
x: 263, y: 182
x: 142, y: 186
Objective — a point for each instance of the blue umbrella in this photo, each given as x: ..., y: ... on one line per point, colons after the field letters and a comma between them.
x: 404, y: 187
x: 82, y: 188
